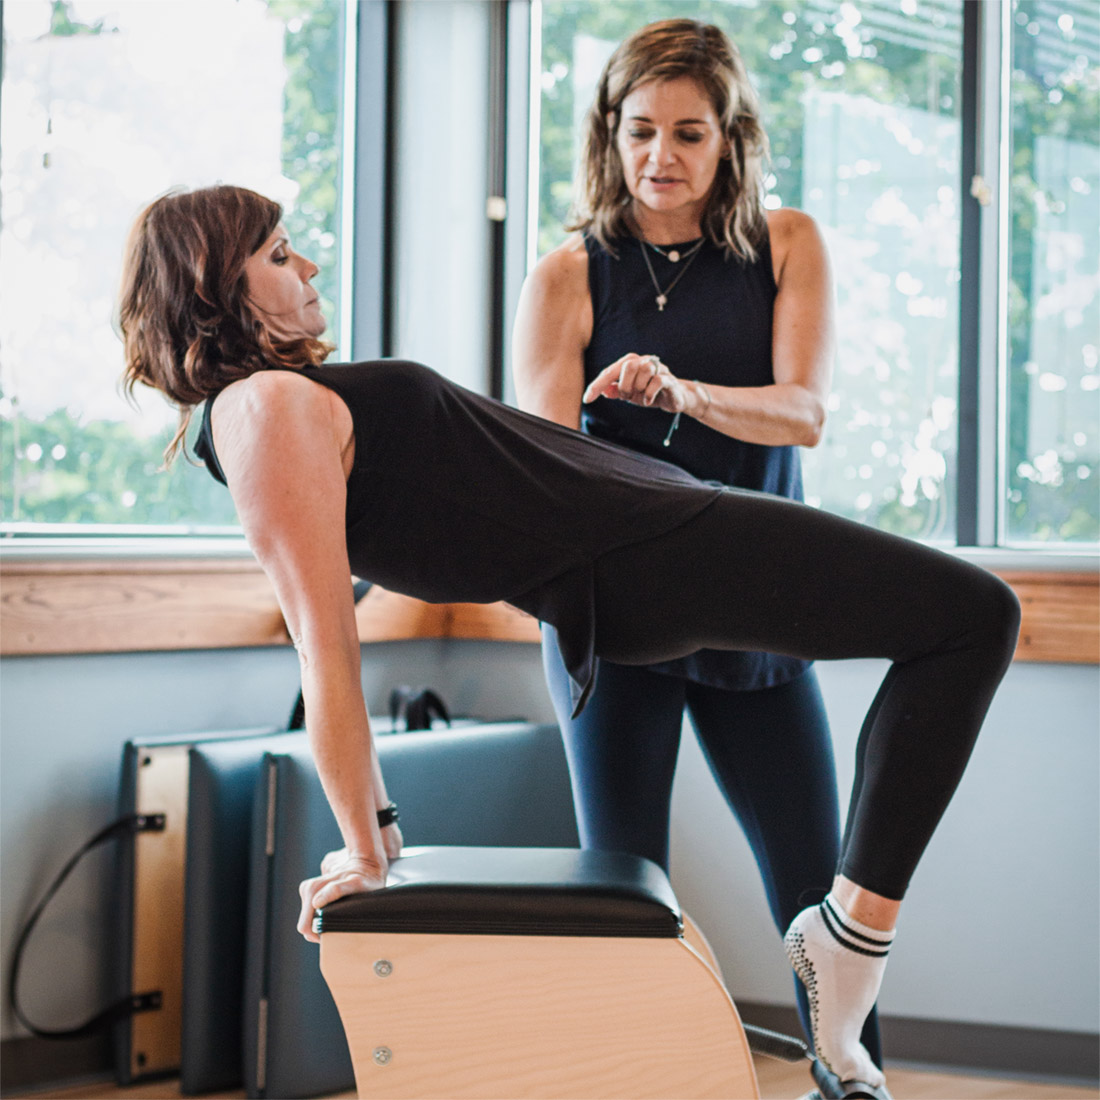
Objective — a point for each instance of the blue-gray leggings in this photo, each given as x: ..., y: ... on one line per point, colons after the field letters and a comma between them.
x: 769, y: 751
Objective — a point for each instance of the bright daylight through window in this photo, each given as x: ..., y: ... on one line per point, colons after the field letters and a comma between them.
x: 862, y: 103
x: 106, y: 104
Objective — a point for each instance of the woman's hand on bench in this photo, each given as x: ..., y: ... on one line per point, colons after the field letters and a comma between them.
x: 343, y: 873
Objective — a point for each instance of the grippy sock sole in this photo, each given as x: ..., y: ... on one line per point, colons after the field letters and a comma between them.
x: 840, y: 962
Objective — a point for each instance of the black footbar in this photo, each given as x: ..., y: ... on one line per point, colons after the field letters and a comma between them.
x: 786, y: 1048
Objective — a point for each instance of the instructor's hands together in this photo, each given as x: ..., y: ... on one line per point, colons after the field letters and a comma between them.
x: 642, y: 380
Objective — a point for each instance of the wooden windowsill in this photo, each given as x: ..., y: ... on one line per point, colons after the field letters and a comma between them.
x: 120, y: 605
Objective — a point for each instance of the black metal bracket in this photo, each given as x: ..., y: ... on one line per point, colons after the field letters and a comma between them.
x: 146, y: 1002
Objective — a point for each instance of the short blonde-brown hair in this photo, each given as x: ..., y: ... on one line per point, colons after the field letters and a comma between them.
x: 673, y: 48
x: 186, y: 325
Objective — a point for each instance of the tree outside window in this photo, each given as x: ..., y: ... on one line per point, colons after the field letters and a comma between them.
x: 862, y: 104
x: 106, y: 104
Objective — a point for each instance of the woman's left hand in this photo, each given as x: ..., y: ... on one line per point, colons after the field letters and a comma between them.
x: 341, y: 874
x: 642, y: 380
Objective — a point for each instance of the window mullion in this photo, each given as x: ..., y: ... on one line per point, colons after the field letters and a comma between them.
x: 517, y: 155
x: 365, y: 234
x: 973, y: 196
x: 993, y: 148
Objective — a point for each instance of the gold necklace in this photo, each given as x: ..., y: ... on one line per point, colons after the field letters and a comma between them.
x: 688, y: 257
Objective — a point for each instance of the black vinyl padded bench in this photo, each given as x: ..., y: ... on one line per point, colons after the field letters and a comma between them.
x: 530, y: 972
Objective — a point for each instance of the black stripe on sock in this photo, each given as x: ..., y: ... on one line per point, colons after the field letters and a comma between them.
x: 853, y: 933
x: 829, y: 916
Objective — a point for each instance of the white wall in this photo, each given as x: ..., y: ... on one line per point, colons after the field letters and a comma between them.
x: 1000, y: 926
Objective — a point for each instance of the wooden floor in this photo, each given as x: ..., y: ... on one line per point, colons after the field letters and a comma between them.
x: 778, y: 1081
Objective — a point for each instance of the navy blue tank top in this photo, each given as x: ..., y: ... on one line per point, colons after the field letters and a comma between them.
x: 716, y: 327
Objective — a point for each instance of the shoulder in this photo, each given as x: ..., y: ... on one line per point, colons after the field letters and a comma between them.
x: 787, y: 227
x: 555, y: 303
x: 281, y: 405
x: 563, y: 270
x: 793, y: 235
x: 273, y: 393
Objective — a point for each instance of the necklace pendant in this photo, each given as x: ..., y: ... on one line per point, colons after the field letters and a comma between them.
x: 661, y: 301
x: 674, y: 256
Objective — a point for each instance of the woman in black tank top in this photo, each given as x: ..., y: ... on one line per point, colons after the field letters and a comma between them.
x: 390, y: 469
x: 671, y: 325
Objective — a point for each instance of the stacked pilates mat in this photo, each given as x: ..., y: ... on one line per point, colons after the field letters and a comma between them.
x: 209, y: 904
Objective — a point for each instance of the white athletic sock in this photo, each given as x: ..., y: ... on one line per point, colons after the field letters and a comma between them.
x: 840, y: 962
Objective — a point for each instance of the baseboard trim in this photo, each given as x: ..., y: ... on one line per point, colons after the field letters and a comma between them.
x: 31, y: 1062
x: 1070, y: 1056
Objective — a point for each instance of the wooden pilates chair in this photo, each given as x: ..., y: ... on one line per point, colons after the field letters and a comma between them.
x: 530, y: 972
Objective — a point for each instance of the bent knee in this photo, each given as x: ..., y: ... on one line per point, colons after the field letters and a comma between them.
x: 998, y: 615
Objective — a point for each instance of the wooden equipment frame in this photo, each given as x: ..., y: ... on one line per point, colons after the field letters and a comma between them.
x: 556, y: 1017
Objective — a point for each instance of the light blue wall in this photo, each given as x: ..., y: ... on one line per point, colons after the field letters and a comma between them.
x: 1000, y: 926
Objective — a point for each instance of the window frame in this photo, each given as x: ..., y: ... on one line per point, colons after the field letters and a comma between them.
x: 366, y: 208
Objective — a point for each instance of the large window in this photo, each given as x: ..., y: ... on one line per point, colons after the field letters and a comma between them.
x: 1053, y: 442
x: 863, y: 105
x: 105, y: 105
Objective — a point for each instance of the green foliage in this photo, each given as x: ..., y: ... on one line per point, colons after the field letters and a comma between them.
x: 312, y: 154
x: 772, y: 37
x: 1060, y: 503
x: 63, y: 24
x: 62, y: 470
x: 790, y: 48
x: 101, y: 472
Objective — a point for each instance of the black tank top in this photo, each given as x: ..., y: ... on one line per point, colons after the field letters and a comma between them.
x: 716, y: 327
x: 454, y: 497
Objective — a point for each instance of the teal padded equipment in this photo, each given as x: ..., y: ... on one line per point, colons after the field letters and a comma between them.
x: 222, y: 784
x: 497, y: 784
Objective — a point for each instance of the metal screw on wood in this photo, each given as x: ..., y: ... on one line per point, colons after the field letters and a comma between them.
x: 383, y: 968
x: 382, y: 1055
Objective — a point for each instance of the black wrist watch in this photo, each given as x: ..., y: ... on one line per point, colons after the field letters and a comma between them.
x: 388, y: 816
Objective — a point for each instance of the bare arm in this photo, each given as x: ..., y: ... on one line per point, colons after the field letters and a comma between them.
x: 792, y: 409
x: 290, y: 499
x: 552, y: 328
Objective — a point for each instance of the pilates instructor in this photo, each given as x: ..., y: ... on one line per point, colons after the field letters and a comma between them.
x: 686, y: 321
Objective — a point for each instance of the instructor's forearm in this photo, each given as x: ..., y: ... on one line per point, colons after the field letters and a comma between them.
x: 783, y: 414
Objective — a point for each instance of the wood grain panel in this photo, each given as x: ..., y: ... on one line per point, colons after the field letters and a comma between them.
x: 384, y: 616
x: 497, y: 622
x: 125, y: 606
x: 1060, y: 616
x: 484, y: 1016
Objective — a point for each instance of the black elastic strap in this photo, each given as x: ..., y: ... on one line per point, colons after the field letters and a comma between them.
x: 415, y: 709
x: 127, y: 1006
x: 298, y: 714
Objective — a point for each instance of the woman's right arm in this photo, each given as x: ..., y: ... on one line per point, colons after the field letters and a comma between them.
x: 552, y: 328
x: 283, y: 443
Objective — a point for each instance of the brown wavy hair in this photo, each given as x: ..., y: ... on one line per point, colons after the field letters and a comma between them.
x: 187, y: 328
x: 734, y: 215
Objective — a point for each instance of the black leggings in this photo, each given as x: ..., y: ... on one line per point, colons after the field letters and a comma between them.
x: 763, y: 573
